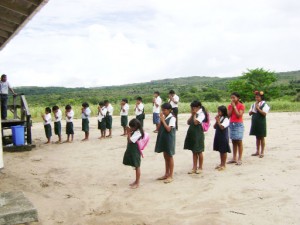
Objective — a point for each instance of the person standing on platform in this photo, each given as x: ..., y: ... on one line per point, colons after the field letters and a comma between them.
x: 4, y: 88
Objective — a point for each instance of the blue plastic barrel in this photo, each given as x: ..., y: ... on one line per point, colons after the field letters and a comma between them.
x: 18, y: 135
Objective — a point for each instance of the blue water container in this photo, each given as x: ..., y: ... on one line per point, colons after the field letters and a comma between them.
x: 18, y: 135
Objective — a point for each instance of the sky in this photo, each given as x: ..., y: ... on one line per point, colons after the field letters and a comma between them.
x: 92, y: 43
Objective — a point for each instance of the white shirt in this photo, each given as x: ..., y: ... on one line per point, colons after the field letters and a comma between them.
x: 70, y: 116
x: 4, y: 86
x: 110, y: 109
x: 176, y: 99
x: 225, y: 122
x: 139, y: 109
x: 158, y: 101
x: 135, y: 136
x: 200, y: 116
x: 57, y: 116
x: 126, y: 108
x: 265, y: 109
x: 86, y: 113
x: 172, y: 122
x: 102, y: 113
x: 47, y: 118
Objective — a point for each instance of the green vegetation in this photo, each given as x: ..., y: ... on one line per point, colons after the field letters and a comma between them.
x: 282, y: 89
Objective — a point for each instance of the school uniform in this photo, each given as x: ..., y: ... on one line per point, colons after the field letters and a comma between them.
x: 156, y: 110
x: 69, y: 120
x: 194, y: 139
x: 258, y: 121
x: 175, y: 108
x: 165, y: 141
x: 124, y: 115
x: 139, y: 113
x: 85, y: 115
x: 108, y: 118
x: 57, y: 122
x: 221, y: 139
x: 236, y: 127
x: 4, y: 87
x: 132, y: 155
x: 47, y: 125
x: 101, y: 118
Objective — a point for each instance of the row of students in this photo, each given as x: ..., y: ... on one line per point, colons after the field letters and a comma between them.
x: 194, y: 141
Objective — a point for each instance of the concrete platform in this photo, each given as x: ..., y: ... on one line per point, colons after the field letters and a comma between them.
x: 15, y: 208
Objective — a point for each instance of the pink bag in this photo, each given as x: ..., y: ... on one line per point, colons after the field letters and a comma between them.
x: 143, y: 142
x: 206, y: 124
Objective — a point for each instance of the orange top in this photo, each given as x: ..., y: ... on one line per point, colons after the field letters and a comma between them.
x: 234, y: 118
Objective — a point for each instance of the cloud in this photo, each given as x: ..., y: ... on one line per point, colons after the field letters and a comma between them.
x: 97, y: 43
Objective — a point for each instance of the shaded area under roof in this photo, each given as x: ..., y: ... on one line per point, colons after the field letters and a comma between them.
x: 14, y: 14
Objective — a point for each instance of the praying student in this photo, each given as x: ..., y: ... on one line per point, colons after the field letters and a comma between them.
x: 174, y: 100
x: 194, y: 140
x: 156, y: 110
x: 108, y: 118
x: 221, y: 140
x: 236, y: 128
x: 85, y: 114
x: 259, y: 111
x: 47, y: 124
x: 102, y: 111
x: 139, y: 110
x: 124, y: 115
x: 69, y: 113
x: 57, y: 122
x: 165, y: 141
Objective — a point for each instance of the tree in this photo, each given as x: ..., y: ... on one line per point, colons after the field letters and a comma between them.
x: 257, y: 79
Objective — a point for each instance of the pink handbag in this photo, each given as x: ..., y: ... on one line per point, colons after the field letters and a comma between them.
x: 143, y: 142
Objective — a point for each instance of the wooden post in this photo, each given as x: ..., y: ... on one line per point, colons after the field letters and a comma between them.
x: 1, y: 149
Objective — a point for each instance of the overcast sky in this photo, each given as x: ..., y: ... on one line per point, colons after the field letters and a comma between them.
x: 76, y: 43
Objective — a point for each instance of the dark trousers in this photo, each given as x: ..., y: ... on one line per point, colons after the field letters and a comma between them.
x: 3, y: 99
x: 175, y: 114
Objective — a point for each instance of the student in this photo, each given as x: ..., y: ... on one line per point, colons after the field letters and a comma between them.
x: 156, y: 110
x: 194, y: 140
x: 57, y: 122
x: 235, y: 112
x: 69, y: 127
x: 85, y: 114
x: 47, y: 124
x: 132, y: 156
x: 259, y: 111
x: 221, y: 140
x: 124, y: 115
x: 165, y: 141
x: 139, y: 110
x: 174, y: 100
x: 109, y: 114
x: 4, y: 88
x: 102, y: 111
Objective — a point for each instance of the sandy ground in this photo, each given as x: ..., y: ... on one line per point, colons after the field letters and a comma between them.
x: 86, y: 183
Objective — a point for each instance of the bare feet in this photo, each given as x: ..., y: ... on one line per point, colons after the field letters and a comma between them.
x: 255, y: 154
x: 198, y: 171
x: 168, y: 180
x: 84, y: 139
x: 48, y: 142
x: 231, y: 162
x: 239, y: 163
x: 261, y: 155
x: 135, y: 186
x: 192, y: 171
x: 162, y: 178
x: 109, y: 136
x: 221, y: 168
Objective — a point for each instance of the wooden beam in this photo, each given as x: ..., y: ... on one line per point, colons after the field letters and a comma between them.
x: 34, y: 2
x: 2, y: 40
x: 14, y: 8
x: 11, y: 19
x: 4, y: 34
x: 6, y: 27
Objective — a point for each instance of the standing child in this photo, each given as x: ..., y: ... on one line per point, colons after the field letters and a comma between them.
x: 85, y: 114
x: 221, y: 140
x: 174, y: 101
x: 132, y: 155
x: 124, y: 115
x: 259, y: 111
x: 165, y: 141
x: 139, y: 110
x: 47, y: 124
x: 194, y: 140
x: 101, y: 119
x: 156, y: 110
x: 57, y: 122
x: 109, y: 114
x: 69, y: 119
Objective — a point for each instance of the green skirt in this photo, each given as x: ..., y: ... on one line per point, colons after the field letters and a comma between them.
x: 108, y: 122
x: 132, y: 156
x: 69, y: 128
x: 57, y: 128
x: 194, y: 139
x: 258, y: 125
x: 48, y: 130
x: 165, y: 141
x: 124, y: 121
x: 85, y: 125
x: 141, y: 119
x: 102, y: 125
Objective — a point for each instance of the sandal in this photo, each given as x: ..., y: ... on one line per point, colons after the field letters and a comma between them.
x: 221, y: 168
x: 198, y: 171
x: 261, y: 155
x: 168, y: 180
x: 239, y: 163
x: 231, y: 162
x: 162, y: 178
x: 255, y: 154
x: 217, y: 167
x: 192, y: 172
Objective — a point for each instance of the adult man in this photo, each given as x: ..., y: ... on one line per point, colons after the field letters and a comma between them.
x: 4, y: 87
x: 174, y: 100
